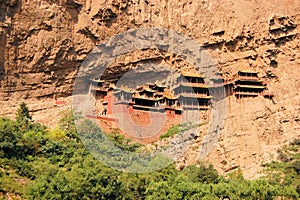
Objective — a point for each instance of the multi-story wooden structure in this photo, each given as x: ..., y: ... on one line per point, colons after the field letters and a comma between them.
x: 192, y: 92
x: 189, y: 99
x: 248, y: 84
x: 123, y: 95
x: 100, y: 88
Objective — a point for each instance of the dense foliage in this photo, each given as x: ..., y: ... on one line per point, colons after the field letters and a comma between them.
x: 37, y: 163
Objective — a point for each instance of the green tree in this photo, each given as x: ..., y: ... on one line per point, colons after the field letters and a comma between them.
x: 88, y: 179
x: 67, y: 124
x: 32, y: 141
x: 201, y: 173
x: 9, y: 138
x: 23, y: 118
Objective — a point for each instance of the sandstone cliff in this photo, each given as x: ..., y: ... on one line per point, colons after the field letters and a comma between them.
x: 43, y: 43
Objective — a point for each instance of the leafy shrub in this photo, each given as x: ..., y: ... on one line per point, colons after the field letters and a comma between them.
x: 296, y: 166
x: 282, y: 156
x: 296, y: 142
x: 171, y: 131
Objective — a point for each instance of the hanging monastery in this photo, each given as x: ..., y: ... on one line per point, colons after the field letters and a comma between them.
x: 190, y: 99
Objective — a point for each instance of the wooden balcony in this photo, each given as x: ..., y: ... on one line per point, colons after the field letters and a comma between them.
x: 248, y: 78
x: 268, y: 94
x: 259, y: 87
x: 99, y: 89
x: 193, y: 85
x: 194, y: 95
x: 196, y: 107
x: 150, y: 108
x: 241, y: 93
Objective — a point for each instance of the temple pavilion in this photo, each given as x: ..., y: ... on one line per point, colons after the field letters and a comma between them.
x: 192, y: 92
x: 248, y: 84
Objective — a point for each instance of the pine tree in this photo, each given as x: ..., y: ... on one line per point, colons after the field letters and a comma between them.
x: 23, y: 117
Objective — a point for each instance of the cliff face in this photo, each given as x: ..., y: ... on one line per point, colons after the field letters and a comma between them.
x: 43, y: 43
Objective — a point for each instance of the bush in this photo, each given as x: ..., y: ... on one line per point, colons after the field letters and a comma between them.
x: 282, y: 156
x: 296, y: 166
x: 298, y: 189
x: 296, y: 142
x: 171, y: 131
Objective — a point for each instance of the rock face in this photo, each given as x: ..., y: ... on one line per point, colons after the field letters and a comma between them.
x: 44, y: 42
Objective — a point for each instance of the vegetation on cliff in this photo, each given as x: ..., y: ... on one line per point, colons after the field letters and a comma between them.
x: 38, y: 163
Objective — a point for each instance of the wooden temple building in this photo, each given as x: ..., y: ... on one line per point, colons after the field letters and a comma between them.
x: 100, y: 88
x: 101, y: 91
x: 148, y: 97
x: 123, y: 95
x: 189, y: 98
x: 248, y: 84
x: 190, y: 92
